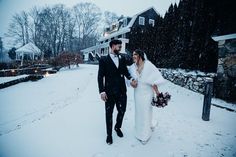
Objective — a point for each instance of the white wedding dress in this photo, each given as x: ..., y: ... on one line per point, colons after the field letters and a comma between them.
x: 143, y: 94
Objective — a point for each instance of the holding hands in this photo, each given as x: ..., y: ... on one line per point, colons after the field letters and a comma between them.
x: 134, y: 83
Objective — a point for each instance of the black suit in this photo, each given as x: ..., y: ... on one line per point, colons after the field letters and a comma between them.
x: 111, y: 80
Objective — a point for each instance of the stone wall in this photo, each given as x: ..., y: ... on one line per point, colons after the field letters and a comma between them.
x: 194, y: 81
x: 225, y: 84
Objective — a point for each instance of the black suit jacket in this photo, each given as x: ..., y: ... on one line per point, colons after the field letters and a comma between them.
x: 110, y: 78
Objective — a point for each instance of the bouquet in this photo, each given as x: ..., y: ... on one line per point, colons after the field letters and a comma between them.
x: 161, y: 100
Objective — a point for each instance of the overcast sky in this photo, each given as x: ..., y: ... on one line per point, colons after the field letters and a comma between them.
x: 121, y: 7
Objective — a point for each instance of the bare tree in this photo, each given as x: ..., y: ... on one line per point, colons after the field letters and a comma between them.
x: 18, y: 28
x: 41, y: 28
x: 110, y: 18
x: 25, y: 18
x: 63, y: 27
x: 71, y: 33
x: 88, y: 16
x: 51, y: 28
x: 57, y: 29
x: 35, y: 25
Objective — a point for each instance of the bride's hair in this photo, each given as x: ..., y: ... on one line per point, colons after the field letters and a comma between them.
x: 140, y: 53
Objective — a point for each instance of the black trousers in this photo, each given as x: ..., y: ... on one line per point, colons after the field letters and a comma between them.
x: 120, y: 100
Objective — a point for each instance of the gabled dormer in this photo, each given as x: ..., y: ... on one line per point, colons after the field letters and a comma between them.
x: 122, y: 27
x: 116, y: 26
x: 144, y: 18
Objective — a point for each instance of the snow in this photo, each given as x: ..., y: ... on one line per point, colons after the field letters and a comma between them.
x: 62, y: 115
x: 7, y: 79
x: 121, y: 31
x: 223, y: 103
x: 185, y: 72
x: 224, y: 37
x: 28, y: 49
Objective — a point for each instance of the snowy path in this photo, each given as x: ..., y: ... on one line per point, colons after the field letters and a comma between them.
x: 62, y: 115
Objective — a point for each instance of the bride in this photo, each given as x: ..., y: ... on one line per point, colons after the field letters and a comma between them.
x: 148, y: 79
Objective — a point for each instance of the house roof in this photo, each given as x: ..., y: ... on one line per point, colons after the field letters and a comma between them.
x: 127, y: 28
x: 121, y: 31
x: 136, y: 15
x: 106, y: 44
x: 29, y: 49
x: 224, y: 37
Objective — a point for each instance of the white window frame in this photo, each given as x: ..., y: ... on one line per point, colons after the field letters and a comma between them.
x: 141, y: 20
x: 124, y: 35
x: 105, y: 50
x: 125, y: 22
x: 152, y: 22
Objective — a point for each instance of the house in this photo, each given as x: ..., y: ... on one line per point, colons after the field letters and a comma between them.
x: 120, y: 30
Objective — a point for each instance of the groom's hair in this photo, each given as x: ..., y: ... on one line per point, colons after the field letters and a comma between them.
x: 140, y: 53
x: 115, y: 42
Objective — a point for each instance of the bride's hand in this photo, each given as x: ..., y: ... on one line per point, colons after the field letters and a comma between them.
x: 155, y: 88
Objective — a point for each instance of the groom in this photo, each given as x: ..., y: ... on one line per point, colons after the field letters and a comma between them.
x: 112, y: 88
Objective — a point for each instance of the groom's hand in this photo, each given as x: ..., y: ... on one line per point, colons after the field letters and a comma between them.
x: 134, y: 83
x: 104, y: 96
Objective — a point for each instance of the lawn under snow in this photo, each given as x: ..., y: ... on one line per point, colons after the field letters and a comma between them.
x: 11, y: 78
x: 62, y: 116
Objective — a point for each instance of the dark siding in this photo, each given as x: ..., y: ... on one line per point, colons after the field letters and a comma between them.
x: 149, y: 14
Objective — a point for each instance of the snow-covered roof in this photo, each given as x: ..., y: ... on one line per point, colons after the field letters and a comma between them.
x: 224, y: 37
x: 121, y: 31
x: 92, y: 48
x: 29, y: 49
x: 104, y: 45
x: 127, y: 28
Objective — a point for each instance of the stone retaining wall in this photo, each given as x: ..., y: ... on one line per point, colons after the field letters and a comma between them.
x: 194, y: 81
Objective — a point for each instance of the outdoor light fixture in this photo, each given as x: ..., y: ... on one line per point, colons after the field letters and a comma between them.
x: 47, y: 74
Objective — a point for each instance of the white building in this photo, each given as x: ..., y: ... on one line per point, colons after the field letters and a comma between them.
x: 29, y: 50
x: 120, y: 30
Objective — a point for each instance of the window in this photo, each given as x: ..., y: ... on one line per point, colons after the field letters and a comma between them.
x: 105, y: 51
x: 123, y: 35
x: 125, y: 22
x: 152, y: 22
x: 141, y: 20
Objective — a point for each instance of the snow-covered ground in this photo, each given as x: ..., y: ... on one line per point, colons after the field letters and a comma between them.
x: 11, y: 78
x: 62, y: 116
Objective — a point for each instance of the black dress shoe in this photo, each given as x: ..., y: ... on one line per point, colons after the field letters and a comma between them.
x: 119, y: 132
x: 109, y: 140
